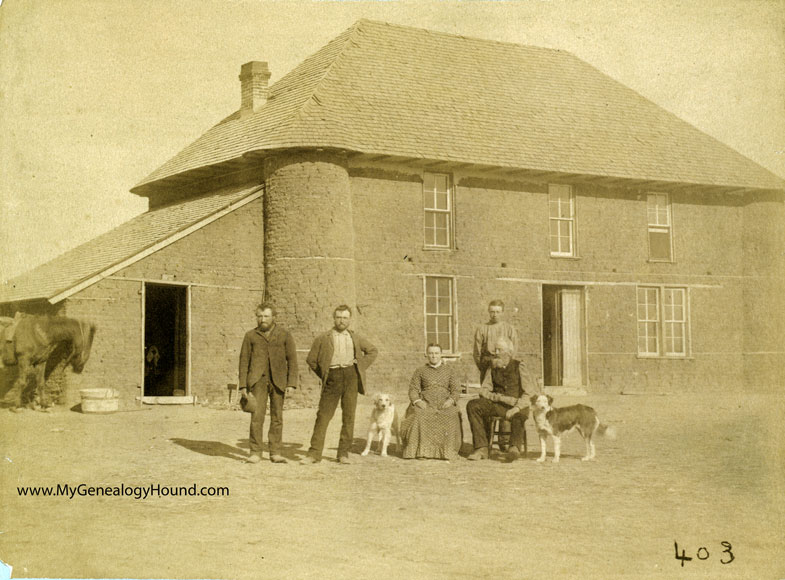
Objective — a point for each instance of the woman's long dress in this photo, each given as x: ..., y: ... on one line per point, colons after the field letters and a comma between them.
x: 433, y: 432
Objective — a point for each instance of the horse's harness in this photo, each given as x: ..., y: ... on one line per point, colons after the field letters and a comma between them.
x: 84, y: 340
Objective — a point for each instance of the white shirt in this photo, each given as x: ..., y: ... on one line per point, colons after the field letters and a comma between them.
x: 343, y: 349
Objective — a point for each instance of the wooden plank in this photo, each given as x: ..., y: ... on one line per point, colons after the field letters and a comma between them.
x: 172, y: 400
x: 572, y: 375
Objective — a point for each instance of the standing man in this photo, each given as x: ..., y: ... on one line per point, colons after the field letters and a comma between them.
x: 339, y: 358
x: 268, y: 369
x: 487, y: 336
x: 508, y: 399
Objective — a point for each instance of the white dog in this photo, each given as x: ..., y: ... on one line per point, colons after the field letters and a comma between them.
x: 384, y: 420
x: 555, y: 422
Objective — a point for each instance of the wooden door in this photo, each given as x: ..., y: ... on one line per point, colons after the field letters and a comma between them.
x: 570, y: 301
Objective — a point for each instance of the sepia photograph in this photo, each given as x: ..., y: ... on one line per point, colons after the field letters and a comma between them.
x: 392, y: 289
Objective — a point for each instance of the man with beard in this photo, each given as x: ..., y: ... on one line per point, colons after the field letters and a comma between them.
x: 268, y: 369
x: 339, y: 358
x: 507, y: 399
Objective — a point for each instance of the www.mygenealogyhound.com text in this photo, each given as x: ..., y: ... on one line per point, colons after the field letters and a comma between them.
x: 122, y: 490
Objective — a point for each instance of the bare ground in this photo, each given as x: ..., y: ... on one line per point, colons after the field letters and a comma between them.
x: 697, y: 470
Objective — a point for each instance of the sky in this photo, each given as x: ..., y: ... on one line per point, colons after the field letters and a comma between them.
x: 96, y: 94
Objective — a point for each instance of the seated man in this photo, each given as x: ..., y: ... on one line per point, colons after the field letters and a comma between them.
x: 508, y: 399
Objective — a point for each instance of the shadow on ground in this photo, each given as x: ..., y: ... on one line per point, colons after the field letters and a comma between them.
x: 211, y: 448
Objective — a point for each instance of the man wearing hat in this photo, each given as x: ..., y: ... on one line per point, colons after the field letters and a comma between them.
x: 268, y: 370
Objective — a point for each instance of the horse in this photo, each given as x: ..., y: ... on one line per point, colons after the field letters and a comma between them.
x: 34, y: 340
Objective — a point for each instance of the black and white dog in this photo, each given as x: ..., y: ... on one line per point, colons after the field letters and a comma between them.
x: 555, y: 422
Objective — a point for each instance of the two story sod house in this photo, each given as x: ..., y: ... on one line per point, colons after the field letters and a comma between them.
x: 416, y: 175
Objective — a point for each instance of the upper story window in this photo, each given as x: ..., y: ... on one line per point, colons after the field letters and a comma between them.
x: 658, y: 210
x: 561, y: 204
x: 662, y: 321
x: 437, y: 206
x: 440, y: 312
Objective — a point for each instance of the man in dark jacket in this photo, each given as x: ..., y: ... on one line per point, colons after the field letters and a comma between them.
x: 507, y: 399
x: 268, y: 369
x: 339, y: 358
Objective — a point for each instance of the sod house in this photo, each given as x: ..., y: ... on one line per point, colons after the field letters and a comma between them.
x: 416, y: 175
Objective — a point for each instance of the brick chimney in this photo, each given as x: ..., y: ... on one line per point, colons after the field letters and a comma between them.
x: 253, y: 86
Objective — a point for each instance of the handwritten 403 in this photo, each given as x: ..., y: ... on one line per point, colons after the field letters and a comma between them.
x: 703, y: 554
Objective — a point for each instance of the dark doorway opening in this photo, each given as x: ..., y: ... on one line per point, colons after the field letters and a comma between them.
x: 165, y: 340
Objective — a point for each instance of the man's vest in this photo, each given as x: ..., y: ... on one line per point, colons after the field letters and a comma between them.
x: 507, y: 380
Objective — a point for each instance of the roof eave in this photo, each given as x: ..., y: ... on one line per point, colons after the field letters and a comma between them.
x: 87, y: 281
x: 205, y: 177
x: 151, y: 249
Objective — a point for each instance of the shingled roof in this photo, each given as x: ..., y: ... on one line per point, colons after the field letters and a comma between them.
x: 393, y: 90
x: 123, y: 245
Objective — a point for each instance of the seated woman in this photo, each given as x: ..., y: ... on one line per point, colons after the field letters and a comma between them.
x: 432, y: 426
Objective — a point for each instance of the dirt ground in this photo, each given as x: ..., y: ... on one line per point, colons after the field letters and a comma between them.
x: 695, y: 470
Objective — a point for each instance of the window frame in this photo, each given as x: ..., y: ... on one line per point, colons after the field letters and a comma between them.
x: 571, y: 220
x: 429, y: 208
x: 658, y: 227
x: 662, y: 320
x: 453, y: 327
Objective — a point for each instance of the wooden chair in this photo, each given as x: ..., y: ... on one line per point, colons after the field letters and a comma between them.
x: 499, y: 431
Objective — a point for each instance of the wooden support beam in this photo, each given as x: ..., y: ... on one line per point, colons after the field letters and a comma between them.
x: 499, y: 173
x: 485, y: 170
x: 613, y: 181
x: 203, y: 172
x: 366, y: 157
x: 676, y: 188
x: 410, y: 160
x: 587, y: 178
x: 663, y: 186
x: 234, y: 164
x: 711, y: 190
x: 642, y: 183
x: 557, y: 176
x: 174, y: 180
x: 512, y: 171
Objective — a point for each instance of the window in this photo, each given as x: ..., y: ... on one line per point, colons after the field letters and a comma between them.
x: 662, y: 321
x: 437, y: 206
x: 658, y: 211
x: 440, y: 312
x: 675, y: 320
x: 561, y: 203
x: 648, y: 321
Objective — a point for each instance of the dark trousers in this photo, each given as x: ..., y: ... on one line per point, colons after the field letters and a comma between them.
x: 481, y: 411
x: 484, y: 366
x: 341, y: 386
x: 263, y: 390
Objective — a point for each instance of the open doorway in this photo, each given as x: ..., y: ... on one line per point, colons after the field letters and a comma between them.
x: 165, y: 340
x: 563, y: 341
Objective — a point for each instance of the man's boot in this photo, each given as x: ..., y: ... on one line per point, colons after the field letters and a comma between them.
x: 479, y: 453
